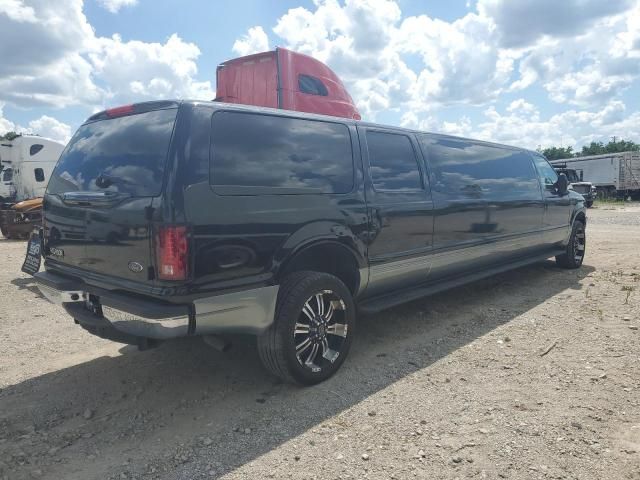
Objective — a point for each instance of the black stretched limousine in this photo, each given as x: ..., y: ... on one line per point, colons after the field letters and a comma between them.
x: 171, y: 219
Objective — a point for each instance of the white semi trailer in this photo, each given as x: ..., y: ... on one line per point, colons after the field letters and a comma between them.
x: 26, y: 164
x: 611, y: 173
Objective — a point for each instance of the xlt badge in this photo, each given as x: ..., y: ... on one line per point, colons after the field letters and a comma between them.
x: 135, y: 267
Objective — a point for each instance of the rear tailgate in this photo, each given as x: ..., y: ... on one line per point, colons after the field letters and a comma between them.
x: 97, y: 201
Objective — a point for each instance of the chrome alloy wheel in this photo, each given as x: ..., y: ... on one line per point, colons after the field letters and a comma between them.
x: 320, y: 330
x: 579, y: 244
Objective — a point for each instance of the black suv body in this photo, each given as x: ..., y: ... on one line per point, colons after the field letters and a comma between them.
x: 171, y: 219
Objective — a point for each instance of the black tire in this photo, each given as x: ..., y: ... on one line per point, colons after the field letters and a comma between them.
x: 588, y: 203
x: 326, y: 337
x: 576, y: 247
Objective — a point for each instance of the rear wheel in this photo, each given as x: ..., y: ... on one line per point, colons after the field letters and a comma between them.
x: 574, y: 255
x: 588, y: 203
x: 312, y: 330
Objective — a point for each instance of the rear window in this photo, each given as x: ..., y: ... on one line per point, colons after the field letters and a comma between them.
x: 124, y: 155
x: 254, y: 154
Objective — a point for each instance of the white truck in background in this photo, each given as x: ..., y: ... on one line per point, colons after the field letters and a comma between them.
x: 613, y: 174
x: 26, y: 163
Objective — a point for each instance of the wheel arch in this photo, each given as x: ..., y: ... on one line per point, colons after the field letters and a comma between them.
x: 327, y: 256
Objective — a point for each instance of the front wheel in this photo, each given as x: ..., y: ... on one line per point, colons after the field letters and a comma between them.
x: 574, y: 255
x: 588, y: 203
x: 312, y: 331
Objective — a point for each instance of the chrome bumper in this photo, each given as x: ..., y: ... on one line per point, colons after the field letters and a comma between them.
x: 251, y: 311
x: 137, y: 318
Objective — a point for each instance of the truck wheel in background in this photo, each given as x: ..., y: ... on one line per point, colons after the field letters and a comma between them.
x: 588, y: 203
x: 312, y: 331
x: 575, y: 248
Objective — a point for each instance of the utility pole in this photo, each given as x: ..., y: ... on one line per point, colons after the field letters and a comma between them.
x: 614, y: 139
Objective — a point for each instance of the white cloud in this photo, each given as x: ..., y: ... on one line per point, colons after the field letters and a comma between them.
x: 255, y: 41
x: 44, y: 126
x: 17, y: 10
x: 583, y: 53
x: 523, y: 22
x: 135, y: 71
x: 52, y: 57
x: 114, y: 6
x: 5, y: 124
x: 49, y: 127
x: 521, y: 125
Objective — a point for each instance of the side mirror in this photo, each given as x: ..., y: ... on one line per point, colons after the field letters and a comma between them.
x: 562, y: 185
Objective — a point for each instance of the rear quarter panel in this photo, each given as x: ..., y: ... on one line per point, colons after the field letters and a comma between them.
x: 242, y: 240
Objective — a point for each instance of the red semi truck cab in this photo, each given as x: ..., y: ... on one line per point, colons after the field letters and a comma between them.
x: 284, y: 79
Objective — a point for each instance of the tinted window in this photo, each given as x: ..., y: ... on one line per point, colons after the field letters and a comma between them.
x: 547, y: 174
x: 284, y: 153
x: 35, y: 148
x: 7, y: 175
x: 473, y: 169
x: 125, y: 154
x: 39, y: 174
x: 312, y: 85
x: 392, y: 161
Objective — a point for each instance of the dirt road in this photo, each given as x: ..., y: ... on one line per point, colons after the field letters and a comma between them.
x: 532, y: 374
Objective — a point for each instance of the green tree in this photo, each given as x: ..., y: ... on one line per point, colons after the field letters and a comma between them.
x: 614, y: 146
x: 9, y: 136
x: 556, y: 153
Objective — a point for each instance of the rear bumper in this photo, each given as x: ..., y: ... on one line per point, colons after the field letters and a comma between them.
x: 249, y: 311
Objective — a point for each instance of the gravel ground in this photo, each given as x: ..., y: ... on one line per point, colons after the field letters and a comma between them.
x: 531, y: 374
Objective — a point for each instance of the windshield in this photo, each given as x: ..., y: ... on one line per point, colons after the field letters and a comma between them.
x: 121, y: 155
x: 7, y: 175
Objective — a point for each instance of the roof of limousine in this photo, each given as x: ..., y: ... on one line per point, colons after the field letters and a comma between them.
x: 298, y: 114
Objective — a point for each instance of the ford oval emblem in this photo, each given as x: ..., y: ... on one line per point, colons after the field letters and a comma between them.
x: 135, y: 267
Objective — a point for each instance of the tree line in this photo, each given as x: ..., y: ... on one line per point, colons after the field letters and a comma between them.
x: 594, y: 148
x: 9, y: 136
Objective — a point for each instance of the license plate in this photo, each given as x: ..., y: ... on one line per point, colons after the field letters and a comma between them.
x: 32, y: 260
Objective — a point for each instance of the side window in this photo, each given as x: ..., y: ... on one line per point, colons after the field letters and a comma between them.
x: 392, y: 162
x: 546, y: 173
x: 39, y: 174
x: 252, y: 154
x: 474, y: 169
x: 7, y: 175
x: 35, y: 148
x: 312, y: 85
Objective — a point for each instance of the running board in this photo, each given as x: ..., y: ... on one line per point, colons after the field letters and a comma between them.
x: 390, y: 300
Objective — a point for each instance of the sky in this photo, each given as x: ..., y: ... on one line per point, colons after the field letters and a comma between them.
x: 533, y: 73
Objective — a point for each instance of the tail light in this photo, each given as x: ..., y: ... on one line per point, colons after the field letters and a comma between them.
x: 172, y: 252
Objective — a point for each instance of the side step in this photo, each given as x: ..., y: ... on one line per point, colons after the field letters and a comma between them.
x: 377, y: 304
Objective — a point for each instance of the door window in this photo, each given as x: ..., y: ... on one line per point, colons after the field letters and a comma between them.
x: 546, y: 173
x: 392, y: 162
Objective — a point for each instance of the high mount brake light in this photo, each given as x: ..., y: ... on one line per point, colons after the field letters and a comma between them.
x: 172, y: 252
x: 119, y: 111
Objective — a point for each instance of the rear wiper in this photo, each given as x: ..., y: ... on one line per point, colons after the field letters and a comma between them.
x: 93, y: 198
